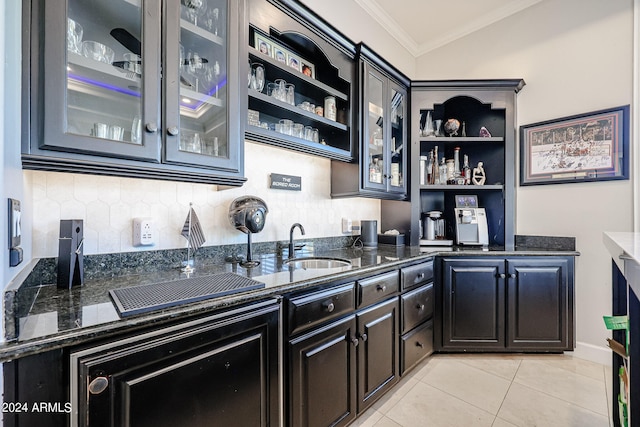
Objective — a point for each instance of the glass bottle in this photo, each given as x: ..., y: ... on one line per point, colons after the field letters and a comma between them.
x: 372, y: 170
x: 434, y: 172
x: 456, y: 162
x: 466, y: 170
x: 429, y: 170
x: 443, y: 171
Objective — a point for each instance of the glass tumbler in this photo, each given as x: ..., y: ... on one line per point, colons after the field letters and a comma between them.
x: 290, y: 91
x: 258, y: 76
x: 74, y: 36
x: 298, y: 130
x: 286, y: 126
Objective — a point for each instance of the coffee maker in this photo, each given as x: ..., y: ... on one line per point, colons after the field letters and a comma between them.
x: 471, y: 222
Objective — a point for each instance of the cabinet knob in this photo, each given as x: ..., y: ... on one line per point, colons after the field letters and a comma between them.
x: 513, y: 275
x: 363, y: 337
x: 98, y: 385
x: 419, y: 344
x: 419, y: 277
x: 354, y: 341
x: 502, y: 276
x: 151, y: 127
x: 381, y: 288
x: 420, y: 307
x: 173, y: 130
x: 329, y: 307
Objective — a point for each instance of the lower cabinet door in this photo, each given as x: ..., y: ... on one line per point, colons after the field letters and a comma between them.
x: 220, y: 372
x: 378, y: 352
x: 474, y: 303
x: 322, y: 377
x: 540, y: 307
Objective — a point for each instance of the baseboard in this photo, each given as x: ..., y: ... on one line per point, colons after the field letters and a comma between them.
x: 592, y: 353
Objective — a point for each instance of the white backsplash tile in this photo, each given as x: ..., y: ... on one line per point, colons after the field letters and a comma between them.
x: 108, y: 205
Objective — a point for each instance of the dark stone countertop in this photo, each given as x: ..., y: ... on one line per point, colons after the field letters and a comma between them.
x: 46, y: 317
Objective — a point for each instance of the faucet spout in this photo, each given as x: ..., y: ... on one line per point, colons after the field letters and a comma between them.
x: 292, y: 250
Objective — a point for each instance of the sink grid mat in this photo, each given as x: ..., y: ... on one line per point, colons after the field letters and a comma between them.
x: 156, y: 296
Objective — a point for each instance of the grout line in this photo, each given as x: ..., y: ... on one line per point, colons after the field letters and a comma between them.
x: 508, y: 390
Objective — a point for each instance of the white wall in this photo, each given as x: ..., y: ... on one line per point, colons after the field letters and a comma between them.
x: 350, y: 19
x: 576, y: 56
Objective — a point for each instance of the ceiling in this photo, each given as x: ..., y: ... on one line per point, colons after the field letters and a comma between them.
x: 423, y: 25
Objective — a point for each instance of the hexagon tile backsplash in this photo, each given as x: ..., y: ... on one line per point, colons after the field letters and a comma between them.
x: 108, y: 205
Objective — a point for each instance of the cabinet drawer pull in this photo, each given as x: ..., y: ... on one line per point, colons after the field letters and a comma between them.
x: 98, y: 385
x: 419, y: 344
x: 329, y: 307
x: 151, y: 127
x: 420, y: 307
x: 173, y: 130
x: 419, y: 277
x: 381, y: 288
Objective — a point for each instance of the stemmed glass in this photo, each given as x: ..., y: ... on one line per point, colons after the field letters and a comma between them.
x: 194, y: 65
x: 195, y: 9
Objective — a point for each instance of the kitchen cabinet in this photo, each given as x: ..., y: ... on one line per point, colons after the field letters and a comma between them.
x: 513, y: 304
x: 477, y: 105
x: 136, y: 88
x: 341, y: 361
x: 417, y: 308
x: 381, y: 170
x: 298, y: 49
x: 219, y: 369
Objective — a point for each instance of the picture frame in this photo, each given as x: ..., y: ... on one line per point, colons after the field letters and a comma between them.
x: 293, y: 61
x: 307, y: 68
x: 262, y: 44
x: 586, y: 147
x: 279, y: 53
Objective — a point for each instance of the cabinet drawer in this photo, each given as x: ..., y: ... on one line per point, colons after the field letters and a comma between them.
x: 416, y: 275
x: 417, y: 306
x: 312, y: 309
x: 416, y: 345
x: 377, y: 288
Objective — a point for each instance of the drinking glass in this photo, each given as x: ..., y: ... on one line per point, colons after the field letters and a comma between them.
x: 308, y: 133
x: 258, y: 76
x: 212, y: 21
x: 290, y: 93
x: 74, y: 36
x: 286, y: 126
x: 297, y: 130
x: 136, y: 130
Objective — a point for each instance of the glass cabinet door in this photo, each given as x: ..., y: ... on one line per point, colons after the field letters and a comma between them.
x: 397, y: 136
x: 199, y: 84
x: 101, y: 80
x: 375, y: 173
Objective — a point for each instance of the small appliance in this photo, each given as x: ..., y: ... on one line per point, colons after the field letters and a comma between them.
x: 248, y: 214
x: 471, y: 222
x: 434, y: 230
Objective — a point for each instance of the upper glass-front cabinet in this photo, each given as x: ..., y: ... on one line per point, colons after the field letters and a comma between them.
x: 139, y: 80
x: 384, y: 132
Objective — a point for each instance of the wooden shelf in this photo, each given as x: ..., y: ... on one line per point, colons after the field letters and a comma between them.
x: 463, y: 187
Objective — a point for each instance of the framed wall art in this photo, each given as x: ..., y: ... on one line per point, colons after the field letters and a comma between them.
x: 262, y: 44
x: 586, y: 147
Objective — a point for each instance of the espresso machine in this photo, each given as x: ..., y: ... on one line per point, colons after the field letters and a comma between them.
x: 470, y: 222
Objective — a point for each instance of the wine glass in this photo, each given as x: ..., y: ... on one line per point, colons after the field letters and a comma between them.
x: 194, y: 65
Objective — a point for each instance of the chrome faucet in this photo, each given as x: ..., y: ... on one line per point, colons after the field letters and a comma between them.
x: 292, y: 249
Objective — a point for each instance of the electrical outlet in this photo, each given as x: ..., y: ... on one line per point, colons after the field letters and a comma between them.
x: 143, y: 232
x: 355, y: 228
x: 346, y: 226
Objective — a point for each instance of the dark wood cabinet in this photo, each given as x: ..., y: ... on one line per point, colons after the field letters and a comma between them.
x: 514, y: 304
x: 218, y: 369
x: 322, y: 381
x: 417, y: 303
x: 378, y: 351
x: 158, y: 98
x: 382, y: 167
x: 540, y: 303
x: 294, y: 45
x: 475, y: 104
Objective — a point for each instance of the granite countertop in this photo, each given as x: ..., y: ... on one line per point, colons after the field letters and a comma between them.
x: 46, y: 317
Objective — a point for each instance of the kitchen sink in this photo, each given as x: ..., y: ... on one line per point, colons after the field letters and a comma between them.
x: 317, y: 262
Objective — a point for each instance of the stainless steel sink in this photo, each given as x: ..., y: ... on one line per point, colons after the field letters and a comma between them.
x: 317, y: 262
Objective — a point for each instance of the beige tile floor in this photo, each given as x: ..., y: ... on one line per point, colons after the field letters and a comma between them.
x: 496, y: 391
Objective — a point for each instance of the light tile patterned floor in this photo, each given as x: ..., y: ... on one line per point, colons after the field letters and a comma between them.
x: 497, y: 391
